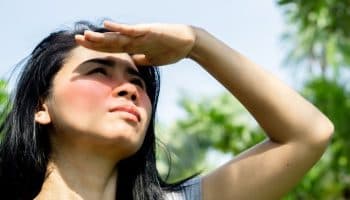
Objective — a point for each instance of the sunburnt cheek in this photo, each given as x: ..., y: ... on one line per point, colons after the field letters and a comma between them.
x: 84, y: 95
x: 146, y: 103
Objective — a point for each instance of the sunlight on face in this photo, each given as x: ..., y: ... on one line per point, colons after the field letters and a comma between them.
x: 99, y: 99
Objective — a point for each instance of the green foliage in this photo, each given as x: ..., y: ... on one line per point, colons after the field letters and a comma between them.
x: 329, y: 15
x: 318, y: 32
x: 178, y: 155
x: 3, y: 93
x: 219, y: 123
x: 4, y: 97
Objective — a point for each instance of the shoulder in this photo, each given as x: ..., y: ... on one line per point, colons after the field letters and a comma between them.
x: 189, y: 190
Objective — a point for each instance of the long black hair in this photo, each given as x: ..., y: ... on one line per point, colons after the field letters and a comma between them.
x: 25, y: 147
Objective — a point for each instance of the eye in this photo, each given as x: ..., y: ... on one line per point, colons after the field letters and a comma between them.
x: 139, y: 82
x: 98, y: 70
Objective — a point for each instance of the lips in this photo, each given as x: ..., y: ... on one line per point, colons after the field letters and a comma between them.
x: 129, y: 109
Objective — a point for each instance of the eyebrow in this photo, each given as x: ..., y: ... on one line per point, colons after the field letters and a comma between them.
x: 107, y: 62
x: 111, y: 63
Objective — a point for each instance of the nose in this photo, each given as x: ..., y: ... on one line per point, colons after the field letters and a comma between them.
x: 126, y: 90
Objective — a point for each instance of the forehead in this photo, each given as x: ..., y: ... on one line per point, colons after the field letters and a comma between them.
x: 81, y: 54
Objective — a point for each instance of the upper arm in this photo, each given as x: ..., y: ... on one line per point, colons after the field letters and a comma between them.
x: 267, y: 171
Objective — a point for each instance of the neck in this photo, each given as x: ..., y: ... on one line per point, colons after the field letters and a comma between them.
x: 77, y: 173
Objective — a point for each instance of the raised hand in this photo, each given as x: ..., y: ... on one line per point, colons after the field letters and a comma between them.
x: 149, y: 44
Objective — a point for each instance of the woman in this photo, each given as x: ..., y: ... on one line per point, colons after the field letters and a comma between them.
x: 82, y: 121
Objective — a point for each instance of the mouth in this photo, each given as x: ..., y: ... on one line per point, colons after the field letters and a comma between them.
x: 128, y: 109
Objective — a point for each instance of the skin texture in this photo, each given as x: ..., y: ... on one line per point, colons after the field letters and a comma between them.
x: 298, y: 133
x: 83, y: 100
x: 86, y: 128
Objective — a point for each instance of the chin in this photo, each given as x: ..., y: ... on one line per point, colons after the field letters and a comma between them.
x: 128, y: 140
x: 119, y: 146
x: 126, y: 148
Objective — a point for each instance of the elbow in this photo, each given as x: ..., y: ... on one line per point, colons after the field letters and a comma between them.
x: 327, y: 131
x: 322, y: 133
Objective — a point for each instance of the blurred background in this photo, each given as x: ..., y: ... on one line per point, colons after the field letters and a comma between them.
x: 200, y: 126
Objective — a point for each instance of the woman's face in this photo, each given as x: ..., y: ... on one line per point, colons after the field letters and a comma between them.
x: 99, y: 99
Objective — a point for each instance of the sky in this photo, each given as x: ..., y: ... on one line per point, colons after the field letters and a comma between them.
x: 252, y: 27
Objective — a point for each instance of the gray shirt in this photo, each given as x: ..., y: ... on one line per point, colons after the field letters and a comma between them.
x: 191, y: 191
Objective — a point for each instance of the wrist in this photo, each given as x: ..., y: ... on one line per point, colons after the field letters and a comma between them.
x: 199, y: 47
x: 194, y: 50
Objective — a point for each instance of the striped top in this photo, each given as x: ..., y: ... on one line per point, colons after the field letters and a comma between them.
x: 191, y: 191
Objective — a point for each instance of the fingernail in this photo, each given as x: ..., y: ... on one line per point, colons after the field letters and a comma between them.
x: 87, y: 31
x: 106, y: 23
x: 78, y: 37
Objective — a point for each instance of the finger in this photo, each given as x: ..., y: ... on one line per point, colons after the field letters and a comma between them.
x: 107, y: 38
x: 107, y: 42
x: 141, y: 60
x: 80, y: 39
x: 131, y: 30
x: 93, y: 36
x: 119, y: 42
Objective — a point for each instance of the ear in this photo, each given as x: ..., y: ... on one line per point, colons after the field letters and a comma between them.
x: 42, y: 115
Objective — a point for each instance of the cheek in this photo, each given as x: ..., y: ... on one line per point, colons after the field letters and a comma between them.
x: 83, y: 96
x: 146, y: 104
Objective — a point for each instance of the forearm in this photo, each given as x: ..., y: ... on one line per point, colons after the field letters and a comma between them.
x: 283, y: 114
